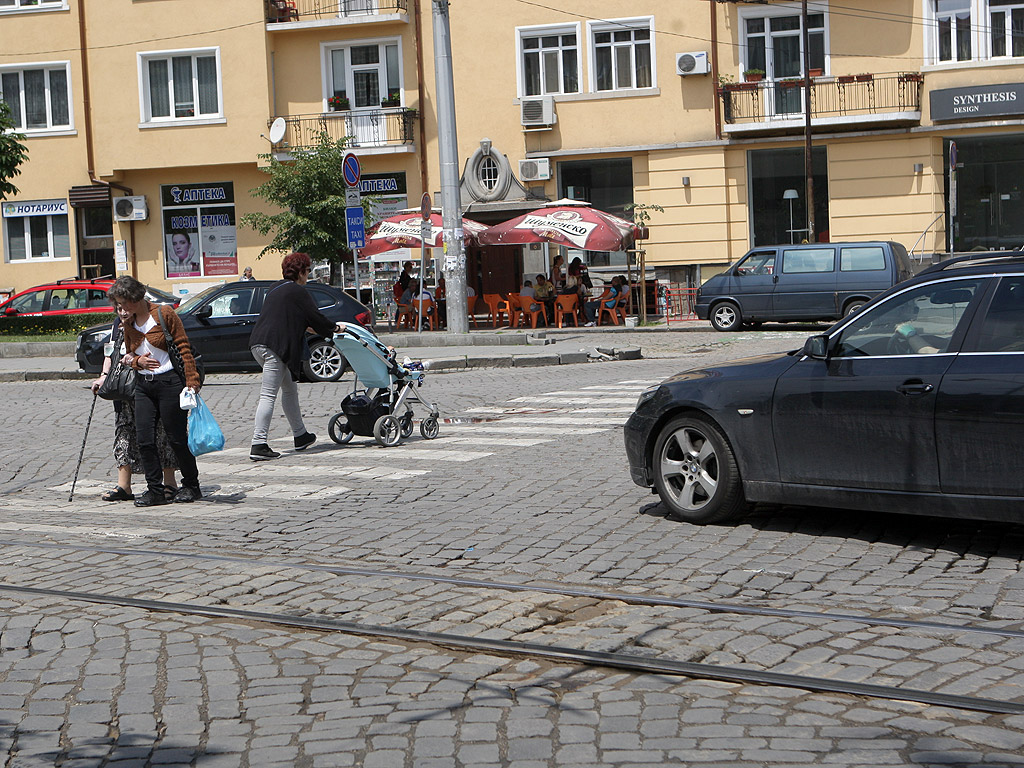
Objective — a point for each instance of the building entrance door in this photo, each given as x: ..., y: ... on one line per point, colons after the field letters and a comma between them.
x: 95, y: 242
x: 991, y: 196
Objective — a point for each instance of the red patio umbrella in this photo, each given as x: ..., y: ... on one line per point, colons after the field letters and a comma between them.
x: 564, y: 222
x: 403, y: 231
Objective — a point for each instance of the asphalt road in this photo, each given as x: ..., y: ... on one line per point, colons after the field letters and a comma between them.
x: 526, y: 485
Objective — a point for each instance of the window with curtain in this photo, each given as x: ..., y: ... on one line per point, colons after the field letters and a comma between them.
x: 1007, y: 27
x: 774, y: 44
x: 549, y: 61
x: 367, y: 74
x: 31, y: 5
x: 37, y: 238
x: 181, y: 86
x: 953, y: 24
x: 622, y: 55
x: 38, y: 98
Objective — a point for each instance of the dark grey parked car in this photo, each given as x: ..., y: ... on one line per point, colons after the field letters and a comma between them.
x: 219, y: 320
x: 816, y: 281
x: 915, y: 404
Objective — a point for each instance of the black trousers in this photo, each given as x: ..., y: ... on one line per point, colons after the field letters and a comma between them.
x: 156, y: 397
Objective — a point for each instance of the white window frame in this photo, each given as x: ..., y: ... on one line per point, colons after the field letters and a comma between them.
x: 541, y: 31
x: 767, y: 12
x: 32, y: 6
x: 1007, y: 29
x: 617, y: 25
x: 327, y: 69
x: 46, y: 66
x: 980, y: 36
x: 29, y: 259
x: 145, y: 109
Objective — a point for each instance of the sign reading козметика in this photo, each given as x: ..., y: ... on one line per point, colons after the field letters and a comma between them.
x: 977, y: 101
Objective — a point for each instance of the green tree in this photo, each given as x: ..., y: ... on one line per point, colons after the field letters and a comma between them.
x: 310, y: 191
x: 12, y: 152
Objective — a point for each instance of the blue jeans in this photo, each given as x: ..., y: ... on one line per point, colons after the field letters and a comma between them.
x: 276, y: 377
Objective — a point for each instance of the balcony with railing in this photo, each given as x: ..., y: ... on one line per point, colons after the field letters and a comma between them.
x: 838, y: 102
x: 306, y: 14
x: 376, y: 131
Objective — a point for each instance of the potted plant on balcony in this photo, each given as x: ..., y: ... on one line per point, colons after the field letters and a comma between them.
x: 338, y: 103
x: 753, y: 75
x: 816, y: 71
x: 864, y: 78
x: 790, y: 82
x: 394, y: 99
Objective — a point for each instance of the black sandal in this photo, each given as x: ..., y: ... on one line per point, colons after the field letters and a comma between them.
x: 118, y: 494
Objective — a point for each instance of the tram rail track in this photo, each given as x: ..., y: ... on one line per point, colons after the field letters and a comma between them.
x: 514, y: 648
x: 724, y: 607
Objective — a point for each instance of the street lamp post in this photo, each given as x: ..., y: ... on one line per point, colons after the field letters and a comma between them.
x: 791, y: 195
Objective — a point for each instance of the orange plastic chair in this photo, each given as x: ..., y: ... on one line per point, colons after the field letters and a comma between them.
x: 531, y: 308
x: 406, y: 316
x: 471, y: 310
x: 565, y: 306
x: 603, y: 308
x: 620, y: 310
x: 514, y: 310
x: 429, y: 312
x: 496, y: 307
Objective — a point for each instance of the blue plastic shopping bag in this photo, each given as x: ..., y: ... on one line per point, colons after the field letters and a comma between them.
x: 204, y: 435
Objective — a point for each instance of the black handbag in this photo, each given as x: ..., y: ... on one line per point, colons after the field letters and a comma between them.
x: 120, y: 382
x: 175, y: 354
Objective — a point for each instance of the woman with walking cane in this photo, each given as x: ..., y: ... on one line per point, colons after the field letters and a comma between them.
x: 163, y: 369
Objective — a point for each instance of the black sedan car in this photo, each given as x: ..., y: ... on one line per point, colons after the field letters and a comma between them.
x: 915, y: 404
x: 219, y: 320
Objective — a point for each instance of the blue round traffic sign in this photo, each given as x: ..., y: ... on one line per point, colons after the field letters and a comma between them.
x: 350, y: 169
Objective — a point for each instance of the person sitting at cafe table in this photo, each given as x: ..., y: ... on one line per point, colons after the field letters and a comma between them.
x: 544, y: 292
x: 527, y: 290
x: 609, y: 299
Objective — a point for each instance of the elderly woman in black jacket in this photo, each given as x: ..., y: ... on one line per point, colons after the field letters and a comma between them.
x: 278, y: 342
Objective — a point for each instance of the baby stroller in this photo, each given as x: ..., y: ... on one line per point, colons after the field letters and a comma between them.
x: 384, y: 409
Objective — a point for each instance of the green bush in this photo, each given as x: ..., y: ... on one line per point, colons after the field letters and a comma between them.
x: 42, y: 325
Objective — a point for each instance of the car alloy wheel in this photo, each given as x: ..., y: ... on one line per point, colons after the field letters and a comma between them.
x: 695, y: 472
x: 726, y: 316
x: 325, y: 363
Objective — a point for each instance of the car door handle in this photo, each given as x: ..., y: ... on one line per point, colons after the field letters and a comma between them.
x: 914, y: 388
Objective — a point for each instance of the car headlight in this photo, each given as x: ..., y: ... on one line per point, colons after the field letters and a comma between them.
x: 96, y: 337
x: 647, y: 394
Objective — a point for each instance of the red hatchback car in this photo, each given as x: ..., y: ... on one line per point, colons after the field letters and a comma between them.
x: 71, y: 296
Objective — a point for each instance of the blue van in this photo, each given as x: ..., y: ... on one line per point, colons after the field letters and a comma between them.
x: 811, y: 281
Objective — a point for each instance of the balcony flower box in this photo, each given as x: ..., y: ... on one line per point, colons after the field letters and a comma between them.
x: 791, y: 83
x: 732, y: 87
x: 389, y: 103
x: 865, y: 78
x: 338, y: 104
x: 816, y: 72
x: 753, y: 75
x: 911, y: 77
x: 845, y: 79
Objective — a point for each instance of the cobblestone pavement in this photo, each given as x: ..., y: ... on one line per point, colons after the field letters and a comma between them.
x: 527, y: 484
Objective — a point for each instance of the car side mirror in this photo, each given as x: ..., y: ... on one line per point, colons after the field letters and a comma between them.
x: 10, y: 311
x: 816, y: 347
x: 204, y: 312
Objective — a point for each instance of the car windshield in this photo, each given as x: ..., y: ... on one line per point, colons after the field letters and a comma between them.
x: 192, y: 302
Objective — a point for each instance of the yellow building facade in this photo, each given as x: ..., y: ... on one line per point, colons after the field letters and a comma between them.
x: 144, y: 121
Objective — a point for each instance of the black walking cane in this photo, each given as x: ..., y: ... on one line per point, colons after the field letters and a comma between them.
x: 82, y: 452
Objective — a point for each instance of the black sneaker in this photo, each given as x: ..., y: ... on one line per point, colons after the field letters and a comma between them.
x: 187, y: 494
x: 262, y: 452
x: 150, y: 499
x: 303, y: 441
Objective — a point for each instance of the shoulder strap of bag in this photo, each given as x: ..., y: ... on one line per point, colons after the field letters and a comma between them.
x: 172, y: 348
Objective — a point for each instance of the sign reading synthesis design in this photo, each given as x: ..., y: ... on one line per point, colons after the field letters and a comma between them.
x: 977, y: 101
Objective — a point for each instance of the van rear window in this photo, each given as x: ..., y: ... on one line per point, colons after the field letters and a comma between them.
x: 804, y: 260
x: 861, y: 259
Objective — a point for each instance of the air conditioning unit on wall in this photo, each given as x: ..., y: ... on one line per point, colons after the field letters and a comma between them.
x: 538, y: 111
x: 694, y: 63
x: 131, y: 208
x: 535, y: 170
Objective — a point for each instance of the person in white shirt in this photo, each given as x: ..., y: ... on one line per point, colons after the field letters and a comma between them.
x: 527, y: 290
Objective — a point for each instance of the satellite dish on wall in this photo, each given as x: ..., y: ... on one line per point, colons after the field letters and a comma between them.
x: 277, y: 129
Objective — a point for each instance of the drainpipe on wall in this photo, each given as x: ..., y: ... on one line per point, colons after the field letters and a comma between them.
x: 421, y: 93
x: 89, y: 154
x: 714, y: 67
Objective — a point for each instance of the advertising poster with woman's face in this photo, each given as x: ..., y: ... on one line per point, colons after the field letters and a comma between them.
x: 181, y: 251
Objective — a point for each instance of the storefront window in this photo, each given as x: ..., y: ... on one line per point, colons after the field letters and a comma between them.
x: 199, y: 230
x: 778, y: 217
x: 990, y: 194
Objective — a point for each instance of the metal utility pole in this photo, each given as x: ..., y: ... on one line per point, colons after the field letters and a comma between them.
x: 451, y: 208
x: 808, y: 158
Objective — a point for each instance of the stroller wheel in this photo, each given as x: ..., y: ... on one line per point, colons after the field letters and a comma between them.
x: 387, y: 431
x: 338, y: 429
x: 406, y: 425
x: 428, y: 428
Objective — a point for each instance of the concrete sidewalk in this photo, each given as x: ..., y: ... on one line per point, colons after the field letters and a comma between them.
x: 34, y: 361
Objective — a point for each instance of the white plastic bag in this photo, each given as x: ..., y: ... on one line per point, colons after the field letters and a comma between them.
x: 188, y: 399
